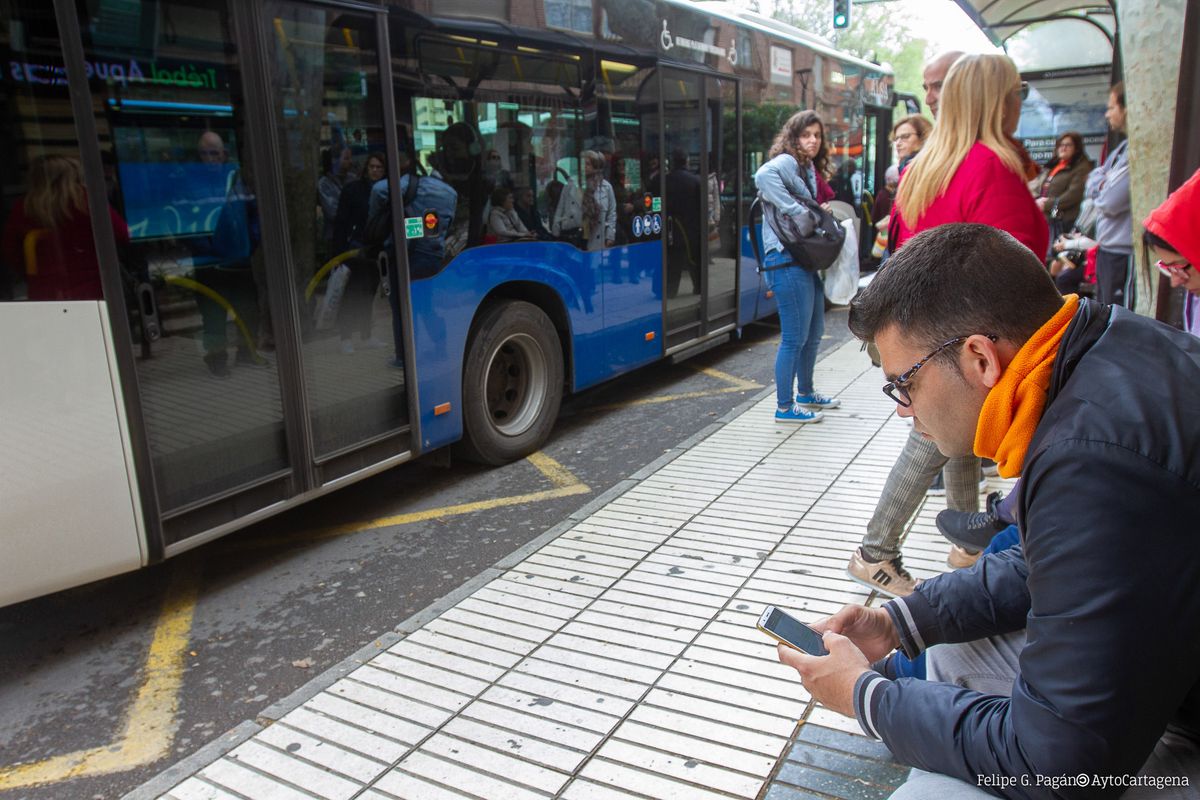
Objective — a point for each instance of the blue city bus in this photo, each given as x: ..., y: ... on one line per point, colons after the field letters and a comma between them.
x: 562, y: 187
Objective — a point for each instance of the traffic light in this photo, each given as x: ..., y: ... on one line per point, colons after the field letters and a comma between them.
x: 841, y: 14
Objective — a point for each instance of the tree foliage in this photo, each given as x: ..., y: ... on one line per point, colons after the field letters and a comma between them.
x: 878, y: 32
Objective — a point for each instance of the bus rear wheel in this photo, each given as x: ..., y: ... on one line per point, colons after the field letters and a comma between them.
x: 512, y: 383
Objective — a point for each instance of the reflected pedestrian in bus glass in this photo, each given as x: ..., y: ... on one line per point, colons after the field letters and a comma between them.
x: 48, y: 235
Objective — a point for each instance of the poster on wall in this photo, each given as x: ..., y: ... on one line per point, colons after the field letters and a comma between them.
x: 781, y: 65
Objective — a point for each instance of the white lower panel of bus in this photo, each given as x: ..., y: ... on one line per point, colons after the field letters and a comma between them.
x: 68, y: 506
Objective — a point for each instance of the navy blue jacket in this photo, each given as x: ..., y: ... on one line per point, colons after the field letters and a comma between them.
x: 1106, y: 581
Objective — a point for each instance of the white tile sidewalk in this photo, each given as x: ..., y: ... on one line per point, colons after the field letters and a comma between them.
x: 621, y: 658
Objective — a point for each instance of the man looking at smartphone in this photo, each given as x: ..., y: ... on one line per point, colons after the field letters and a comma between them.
x: 1076, y: 653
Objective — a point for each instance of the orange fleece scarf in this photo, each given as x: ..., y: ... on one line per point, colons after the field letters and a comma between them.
x: 1013, y: 407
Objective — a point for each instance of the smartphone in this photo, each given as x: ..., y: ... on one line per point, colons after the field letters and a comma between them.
x: 791, y: 631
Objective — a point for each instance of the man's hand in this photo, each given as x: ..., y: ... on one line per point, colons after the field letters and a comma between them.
x: 869, y: 629
x: 829, y: 679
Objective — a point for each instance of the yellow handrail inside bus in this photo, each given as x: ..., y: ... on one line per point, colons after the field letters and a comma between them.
x: 324, y: 270
x: 31, y: 242
x: 687, y: 245
x: 200, y: 288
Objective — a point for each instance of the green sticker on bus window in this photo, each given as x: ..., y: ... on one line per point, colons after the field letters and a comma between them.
x: 656, y: 204
x: 413, y: 228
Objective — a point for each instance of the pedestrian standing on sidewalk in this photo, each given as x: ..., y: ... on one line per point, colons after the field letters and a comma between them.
x: 798, y: 156
x: 967, y: 172
x: 1108, y: 188
x: 1074, y: 656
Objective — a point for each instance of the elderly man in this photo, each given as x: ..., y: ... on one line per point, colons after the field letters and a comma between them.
x: 1068, y: 666
x: 211, y: 148
x: 935, y: 73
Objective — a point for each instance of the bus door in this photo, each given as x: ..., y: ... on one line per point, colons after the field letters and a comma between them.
x: 700, y: 279
x: 266, y: 358
x: 335, y: 152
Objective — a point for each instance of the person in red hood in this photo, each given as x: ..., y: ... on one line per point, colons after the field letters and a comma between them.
x: 1172, y: 233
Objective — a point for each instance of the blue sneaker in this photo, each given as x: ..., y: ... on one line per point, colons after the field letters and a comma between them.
x: 798, y: 414
x: 817, y: 400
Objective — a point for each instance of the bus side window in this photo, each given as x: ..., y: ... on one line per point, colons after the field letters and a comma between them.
x: 492, y: 153
x: 522, y: 130
x: 628, y: 113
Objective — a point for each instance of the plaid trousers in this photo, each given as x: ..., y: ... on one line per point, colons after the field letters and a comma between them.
x: 905, y: 488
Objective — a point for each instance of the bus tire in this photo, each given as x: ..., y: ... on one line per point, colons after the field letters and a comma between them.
x: 512, y: 383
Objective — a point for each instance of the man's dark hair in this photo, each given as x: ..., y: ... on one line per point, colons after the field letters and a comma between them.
x: 957, y: 280
x: 500, y: 196
x: 1118, y: 89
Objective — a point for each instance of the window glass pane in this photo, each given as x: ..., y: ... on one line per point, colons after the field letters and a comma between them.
x: 169, y: 109
x: 48, y: 250
x: 685, y: 130
x: 512, y: 153
x: 629, y: 137
x: 325, y: 78
x: 573, y: 15
x: 721, y: 209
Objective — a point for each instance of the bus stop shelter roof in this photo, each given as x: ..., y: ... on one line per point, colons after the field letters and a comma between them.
x: 1002, y: 19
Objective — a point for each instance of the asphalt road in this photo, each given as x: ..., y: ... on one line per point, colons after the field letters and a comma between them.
x: 277, y: 604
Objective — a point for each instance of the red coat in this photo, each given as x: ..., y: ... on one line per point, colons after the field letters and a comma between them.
x: 986, y: 191
x: 825, y: 192
x: 66, y: 265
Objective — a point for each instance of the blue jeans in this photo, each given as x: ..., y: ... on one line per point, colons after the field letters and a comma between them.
x: 800, y: 295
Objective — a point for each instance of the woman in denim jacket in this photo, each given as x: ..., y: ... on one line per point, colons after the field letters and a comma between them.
x: 798, y: 158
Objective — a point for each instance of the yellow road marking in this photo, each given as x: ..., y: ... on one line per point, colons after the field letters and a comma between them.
x: 559, y: 475
x: 149, y: 729
x: 565, y: 485
x: 737, y: 385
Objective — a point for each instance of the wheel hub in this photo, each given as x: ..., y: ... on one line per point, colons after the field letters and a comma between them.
x: 516, y: 384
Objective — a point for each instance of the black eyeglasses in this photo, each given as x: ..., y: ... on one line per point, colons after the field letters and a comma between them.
x: 897, y: 390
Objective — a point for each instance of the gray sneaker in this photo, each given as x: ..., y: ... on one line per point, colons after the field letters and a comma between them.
x: 885, y: 577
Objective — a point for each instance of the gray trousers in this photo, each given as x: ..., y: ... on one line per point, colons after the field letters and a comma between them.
x: 990, y: 666
x: 918, y: 464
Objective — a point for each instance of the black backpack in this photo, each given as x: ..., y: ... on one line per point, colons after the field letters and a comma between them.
x: 379, y: 225
x: 813, y: 239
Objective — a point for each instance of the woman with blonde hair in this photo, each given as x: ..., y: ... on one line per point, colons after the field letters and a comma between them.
x: 798, y: 156
x: 970, y: 170
x: 59, y: 261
